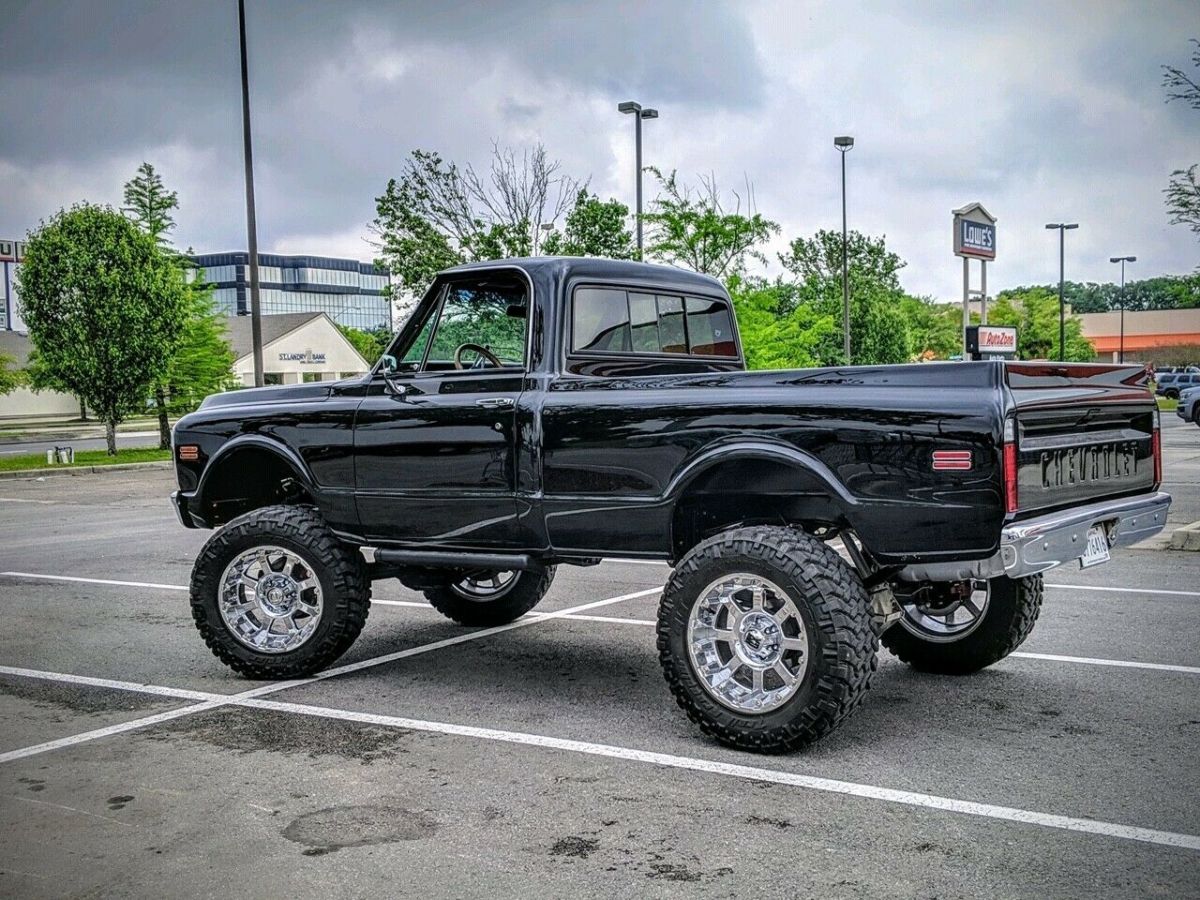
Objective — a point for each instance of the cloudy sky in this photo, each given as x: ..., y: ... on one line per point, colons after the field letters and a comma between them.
x: 1043, y: 111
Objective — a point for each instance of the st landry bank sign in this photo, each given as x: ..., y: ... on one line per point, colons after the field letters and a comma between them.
x: 307, y: 358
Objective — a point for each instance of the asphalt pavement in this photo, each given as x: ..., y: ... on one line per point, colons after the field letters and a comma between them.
x: 547, y: 759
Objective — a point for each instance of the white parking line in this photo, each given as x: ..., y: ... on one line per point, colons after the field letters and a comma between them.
x: 628, y: 754
x: 143, y: 584
x: 22, y: 500
x: 1123, y: 590
x: 178, y: 693
x: 219, y: 700
x: 98, y: 733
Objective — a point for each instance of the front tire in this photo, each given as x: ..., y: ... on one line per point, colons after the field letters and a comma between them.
x: 490, y: 598
x: 961, y: 636
x: 764, y: 636
x: 275, y: 595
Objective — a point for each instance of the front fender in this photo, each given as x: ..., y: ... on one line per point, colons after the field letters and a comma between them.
x: 252, y: 443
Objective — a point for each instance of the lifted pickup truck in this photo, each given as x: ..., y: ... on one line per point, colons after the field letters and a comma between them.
x: 542, y: 412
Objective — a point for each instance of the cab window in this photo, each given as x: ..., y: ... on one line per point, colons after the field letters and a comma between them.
x: 611, y: 320
x: 479, y: 324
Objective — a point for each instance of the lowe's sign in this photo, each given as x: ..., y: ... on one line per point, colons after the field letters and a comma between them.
x: 976, y: 239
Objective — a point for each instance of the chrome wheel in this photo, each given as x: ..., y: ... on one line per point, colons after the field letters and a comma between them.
x: 485, y: 586
x: 748, y: 644
x: 945, y: 613
x: 270, y: 599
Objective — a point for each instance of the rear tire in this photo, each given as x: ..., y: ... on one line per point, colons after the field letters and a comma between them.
x: 764, y: 636
x: 1011, y: 610
x: 469, y: 601
x: 275, y: 595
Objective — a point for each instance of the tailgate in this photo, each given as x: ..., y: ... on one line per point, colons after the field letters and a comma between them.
x: 1084, y: 433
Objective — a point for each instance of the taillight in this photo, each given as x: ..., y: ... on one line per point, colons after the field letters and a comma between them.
x: 1156, y: 450
x: 1010, y: 465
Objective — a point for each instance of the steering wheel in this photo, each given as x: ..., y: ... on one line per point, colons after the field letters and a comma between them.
x: 483, y: 352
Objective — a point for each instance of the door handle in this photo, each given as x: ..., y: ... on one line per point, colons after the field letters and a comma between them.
x: 496, y: 402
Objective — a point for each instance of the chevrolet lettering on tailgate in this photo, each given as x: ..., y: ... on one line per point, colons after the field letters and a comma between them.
x: 1076, y: 465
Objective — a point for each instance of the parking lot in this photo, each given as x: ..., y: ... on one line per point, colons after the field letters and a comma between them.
x: 546, y: 757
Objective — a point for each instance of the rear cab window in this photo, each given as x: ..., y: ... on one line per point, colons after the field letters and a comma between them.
x: 630, y: 322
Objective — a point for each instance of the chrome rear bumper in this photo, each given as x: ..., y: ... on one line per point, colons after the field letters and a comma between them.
x: 1035, y: 545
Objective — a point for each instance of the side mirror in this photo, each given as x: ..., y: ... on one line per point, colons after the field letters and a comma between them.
x: 388, y: 371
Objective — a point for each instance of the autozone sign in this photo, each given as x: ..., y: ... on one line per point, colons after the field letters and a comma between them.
x: 989, y: 341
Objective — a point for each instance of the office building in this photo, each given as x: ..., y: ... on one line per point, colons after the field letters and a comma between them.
x: 351, y: 292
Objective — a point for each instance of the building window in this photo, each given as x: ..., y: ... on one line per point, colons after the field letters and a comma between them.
x: 272, y: 378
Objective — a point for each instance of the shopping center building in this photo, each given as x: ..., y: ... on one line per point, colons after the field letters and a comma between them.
x: 1146, y: 333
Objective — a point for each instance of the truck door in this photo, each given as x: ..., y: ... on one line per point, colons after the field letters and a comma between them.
x: 435, y: 442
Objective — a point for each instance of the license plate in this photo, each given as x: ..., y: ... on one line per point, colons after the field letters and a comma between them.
x: 1097, y: 548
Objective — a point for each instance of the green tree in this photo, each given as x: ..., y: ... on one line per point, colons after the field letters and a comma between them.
x: 593, y: 227
x: 149, y: 204
x: 11, y: 378
x: 691, y: 227
x: 438, y: 214
x: 104, y: 306
x: 370, y: 343
x: 776, y: 332
x: 878, y: 328
x: 935, y: 329
x: 202, y: 363
x: 1034, y: 313
x: 1183, y: 189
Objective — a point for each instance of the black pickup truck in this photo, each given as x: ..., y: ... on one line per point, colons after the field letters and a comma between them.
x: 542, y: 412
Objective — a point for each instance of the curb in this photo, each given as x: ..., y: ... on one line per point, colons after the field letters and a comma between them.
x: 86, y: 470
x: 1186, y: 537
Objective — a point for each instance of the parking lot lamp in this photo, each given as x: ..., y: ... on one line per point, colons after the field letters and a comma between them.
x: 251, y: 227
x: 1122, y: 260
x: 844, y: 143
x: 638, y: 114
x: 1063, y: 228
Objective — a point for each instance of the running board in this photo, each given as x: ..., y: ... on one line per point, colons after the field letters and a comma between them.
x: 448, y: 559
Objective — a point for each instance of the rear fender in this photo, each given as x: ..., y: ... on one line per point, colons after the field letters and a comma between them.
x: 750, y: 481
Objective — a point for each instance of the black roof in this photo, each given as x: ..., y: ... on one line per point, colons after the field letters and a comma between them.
x: 593, y: 267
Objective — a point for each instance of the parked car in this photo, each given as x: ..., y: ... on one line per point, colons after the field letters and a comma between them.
x: 1189, y: 405
x: 1169, y: 384
x: 536, y: 413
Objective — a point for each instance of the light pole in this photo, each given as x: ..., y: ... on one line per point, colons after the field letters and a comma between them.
x: 251, y: 227
x: 1063, y: 228
x: 638, y: 113
x: 1122, y: 260
x: 844, y: 143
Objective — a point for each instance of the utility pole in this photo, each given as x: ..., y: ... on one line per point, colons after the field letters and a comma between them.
x: 251, y: 226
